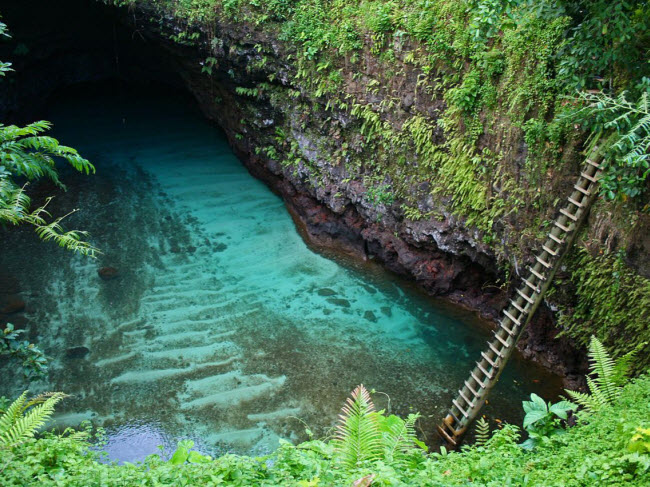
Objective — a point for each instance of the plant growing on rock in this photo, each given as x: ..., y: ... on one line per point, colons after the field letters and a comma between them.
x: 606, y: 378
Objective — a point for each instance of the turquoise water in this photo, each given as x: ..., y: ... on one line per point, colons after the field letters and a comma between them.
x: 222, y: 325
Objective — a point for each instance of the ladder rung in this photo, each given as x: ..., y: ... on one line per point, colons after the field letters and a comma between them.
x: 467, y: 401
x: 582, y: 190
x: 458, y: 421
x: 551, y: 252
x: 495, y: 350
x: 574, y: 202
x: 533, y: 287
x: 562, y: 227
x: 514, y: 303
x: 512, y: 318
x: 537, y: 275
x: 462, y: 411
x: 476, y: 394
x: 587, y: 176
x: 543, y: 262
x: 443, y: 433
x: 595, y: 164
x: 569, y: 215
x: 512, y: 333
x: 451, y: 440
x: 556, y: 239
x: 504, y: 342
x: 477, y: 379
x: 485, y: 372
x: 489, y: 360
x: 523, y: 295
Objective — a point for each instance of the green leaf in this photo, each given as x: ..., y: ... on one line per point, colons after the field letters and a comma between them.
x: 179, y: 457
x: 196, y: 457
x: 539, y: 402
x: 560, y: 408
x: 533, y: 417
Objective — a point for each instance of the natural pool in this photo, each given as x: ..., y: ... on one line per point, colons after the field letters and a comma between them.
x: 222, y: 325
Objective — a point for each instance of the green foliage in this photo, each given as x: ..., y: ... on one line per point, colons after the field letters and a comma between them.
x: 610, y: 449
x: 626, y: 125
x: 606, y: 380
x: 27, y: 154
x: 185, y: 454
x: 482, y: 432
x: 613, y: 304
x: 4, y: 67
x: 365, y: 436
x: 380, y: 195
x: 358, y: 437
x: 23, y: 418
x: 34, y: 363
x: 542, y: 420
x: 607, y: 44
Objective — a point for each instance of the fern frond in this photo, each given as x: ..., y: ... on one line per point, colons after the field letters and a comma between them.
x: 21, y: 421
x: 608, y: 377
x: 13, y: 412
x: 71, y: 240
x: 603, y: 366
x: 482, y: 432
x: 399, y: 438
x: 14, y: 203
x: 358, y: 439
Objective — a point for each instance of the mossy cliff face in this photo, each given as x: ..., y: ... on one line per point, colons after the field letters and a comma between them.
x: 422, y: 145
x: 344, y: 189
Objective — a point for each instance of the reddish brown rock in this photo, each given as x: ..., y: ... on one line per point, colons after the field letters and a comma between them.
x: 108, y: 273
x: 13, y: 304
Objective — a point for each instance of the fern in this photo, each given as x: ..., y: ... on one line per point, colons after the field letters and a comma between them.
x: 26, y: 153
x: 358, y: 438
x: 23, y: 418
x: 399, y: 438
x: 482, y: 432
x: 607, y: 377
x: 365, y: 436
x: 626, y: 127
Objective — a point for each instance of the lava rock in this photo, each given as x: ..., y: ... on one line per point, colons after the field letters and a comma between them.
x: 13, y: 305
x: 108, y: 273
x: 77, y: 352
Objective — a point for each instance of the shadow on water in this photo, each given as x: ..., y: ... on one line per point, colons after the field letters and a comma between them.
x: 218, y: 323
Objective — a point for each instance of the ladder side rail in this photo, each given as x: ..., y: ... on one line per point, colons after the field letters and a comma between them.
x: 585, y: 194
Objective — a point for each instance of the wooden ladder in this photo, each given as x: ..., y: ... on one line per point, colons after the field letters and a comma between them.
x: 474, y: 391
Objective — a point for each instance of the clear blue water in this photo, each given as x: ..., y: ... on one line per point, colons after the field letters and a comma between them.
x: 222, y: 324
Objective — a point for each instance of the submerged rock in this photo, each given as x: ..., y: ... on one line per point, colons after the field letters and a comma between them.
x: 370, y: 316
x: 220, y: 247
x: 77, y: 352
x: 326, y: 292
x: 343, y: 303
x: 108, y: 273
